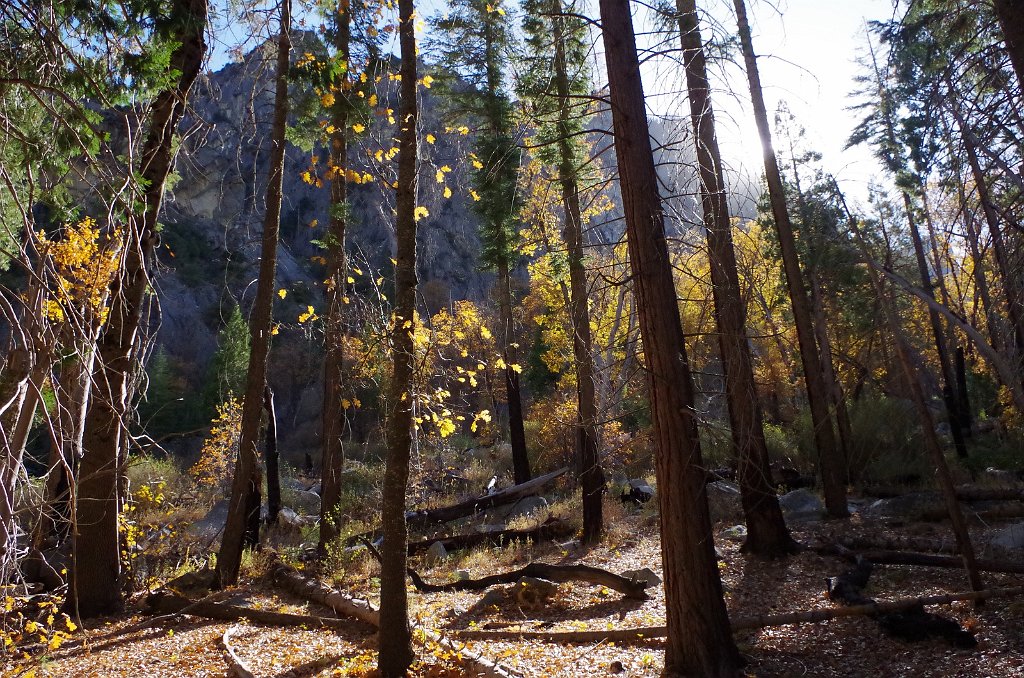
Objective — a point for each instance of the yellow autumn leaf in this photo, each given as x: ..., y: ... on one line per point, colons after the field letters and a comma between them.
x: 282, y: 293
x: 447, y: 192
x: 327, y: 99
x: 421, y: 212
x: 517, y: 368
x: 372, y: 100
x: 477, y: 164
x: 439, y: 176
x: 427, y: 81
x: 431, y: 138
x: 476, y: 196
x: 358, y: 128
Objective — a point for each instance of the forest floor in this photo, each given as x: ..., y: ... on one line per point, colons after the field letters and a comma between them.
x: 852, y: 646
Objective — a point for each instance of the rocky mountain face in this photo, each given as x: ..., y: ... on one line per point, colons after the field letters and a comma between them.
x: 213, y: 217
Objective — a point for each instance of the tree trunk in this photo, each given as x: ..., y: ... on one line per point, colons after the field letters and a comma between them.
x: 699, y: 640
x: 333, y: 424
x: 516, y: 429
x: 1011, y: 19
x: 96, y: 569
x: 272, y: 458
x: 589, y: 472
x: 395, y: 653
x: 247, y: 477
x: 832, y: 464
x: 767, y: 534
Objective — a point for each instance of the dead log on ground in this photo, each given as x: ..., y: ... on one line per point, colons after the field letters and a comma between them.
x: 311, y: 589
x: 236, y: 667
x: 898, y: 543
x: 423, y: 517
x: 166, y: 602
x: 557, y: 573
x: 740, y: 623
x: 1003, y: 511
x: 290, y: 580
x: 882, y: 557
x: 554, y: 529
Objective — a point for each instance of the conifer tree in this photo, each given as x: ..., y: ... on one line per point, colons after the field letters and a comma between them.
x: 475, y: 39
x: 556, y: 80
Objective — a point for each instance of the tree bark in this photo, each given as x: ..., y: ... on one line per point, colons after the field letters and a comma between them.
x: 767, y: 534
x: 246, y: 482
x: 1011, y: 20
x: 333, y: 424
x: 96, y: 569
x: 395, y: 653
x: 832, y: 464
x: 699, y: 640
x: 591, y: 477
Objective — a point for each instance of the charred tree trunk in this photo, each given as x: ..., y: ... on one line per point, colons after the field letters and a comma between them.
x: 395, y: 652
x: 247, y: 480
x: 767, y: 534
x: 96, y: 568
x: 590, y: 475
x: 699, y: 639
x: 516, y: 429
x: 271, y: 458
x: 333, y: 424
x: 832, y: 464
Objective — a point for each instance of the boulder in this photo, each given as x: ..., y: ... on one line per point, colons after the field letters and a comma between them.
x: 289, y: 518
x: 1011, y: 537
x: 533, y: 592
x: 910, y: 506
x: 435, y: 554
x: 213, y: 522
x: 636, y: 491
x: 724, y: 501
x: 644, y: 574
x: 801, y: 505
x: 735, y: 533
x: 304, y: 502
x: 526, y: 506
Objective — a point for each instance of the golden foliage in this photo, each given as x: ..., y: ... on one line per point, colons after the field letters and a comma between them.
x: 220, y: 447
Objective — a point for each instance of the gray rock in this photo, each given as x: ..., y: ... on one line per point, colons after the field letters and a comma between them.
x: 801, y: 505
x: 493, y: 598
x: 1011, y: 537
x: 304, y: 502
x: 724, y: 501
x: 461, y: 575
x: 638, y: 491
x: 213, y: 522
x: 435, y: 554
x: 906, y: 507
x: 527, y: 506
x: 735, y: 533
x: 533, y: 591
x: 644, y: 574
x: 286, y: 517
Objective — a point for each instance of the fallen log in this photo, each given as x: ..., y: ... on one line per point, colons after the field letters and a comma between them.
x: 166, y: 602
x: 557, y: 573
x: 419, y: 518
x: 883, y: 557
x: 445, y: 514
x: 740, y: 623
x: 1003, y: 511
x: 292, y: 581
x: 236, y: 667
x: 555, y: 529
x: 898, y: 543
